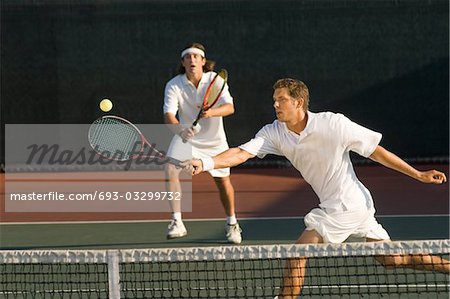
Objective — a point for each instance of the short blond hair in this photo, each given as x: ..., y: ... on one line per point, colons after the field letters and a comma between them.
x: 296, y: 88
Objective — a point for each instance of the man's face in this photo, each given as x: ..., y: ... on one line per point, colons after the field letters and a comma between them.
x: 193, y: 63
x: 285, y: 106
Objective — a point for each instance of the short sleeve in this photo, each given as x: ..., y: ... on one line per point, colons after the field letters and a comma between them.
x: 263, y: 143
x: 357, y: 138
x: 225, y: 97
x: 170, y: 99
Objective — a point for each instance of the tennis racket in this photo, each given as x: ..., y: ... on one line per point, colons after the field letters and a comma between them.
x: 212, y: 93
x: 115, y: 138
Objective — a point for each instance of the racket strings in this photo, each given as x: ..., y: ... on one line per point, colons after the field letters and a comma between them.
x: 117, y: 139
x: 216, y: 88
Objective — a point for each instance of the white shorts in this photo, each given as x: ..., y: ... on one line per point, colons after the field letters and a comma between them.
x: 339, y: 226
x: 185, y: 151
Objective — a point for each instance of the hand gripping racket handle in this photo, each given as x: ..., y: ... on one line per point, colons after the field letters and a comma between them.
x: 205, y: 106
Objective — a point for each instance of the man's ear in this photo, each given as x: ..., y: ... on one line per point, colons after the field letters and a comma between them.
x: 300, y: 103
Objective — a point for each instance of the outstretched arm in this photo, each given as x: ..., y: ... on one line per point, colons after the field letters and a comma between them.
x: 229, y: 158
x: 390, y: 160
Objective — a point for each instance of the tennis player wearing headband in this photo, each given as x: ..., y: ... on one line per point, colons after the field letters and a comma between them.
x: 318, y: 145
x: 183, y: 97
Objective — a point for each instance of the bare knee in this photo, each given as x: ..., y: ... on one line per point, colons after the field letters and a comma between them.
x: 172, y: 172
x: 309, y: 236
x: 223, y: 183
x: 222, y: 180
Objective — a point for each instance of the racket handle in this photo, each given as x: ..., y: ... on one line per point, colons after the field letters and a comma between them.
x: 198, y: 116
x: 192, y: 129
x: 196, y: 120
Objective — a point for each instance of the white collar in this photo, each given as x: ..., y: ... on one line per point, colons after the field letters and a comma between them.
x: 186, y: 81
x: 308, y: 128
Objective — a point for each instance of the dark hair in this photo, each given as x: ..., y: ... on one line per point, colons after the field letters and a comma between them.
x: 296, y: 88
x: 209, y: 65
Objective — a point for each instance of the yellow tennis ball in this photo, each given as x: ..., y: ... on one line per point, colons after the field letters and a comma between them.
x: 106, y: 105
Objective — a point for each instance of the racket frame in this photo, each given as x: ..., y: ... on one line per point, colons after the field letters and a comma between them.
x: 205, y: 106
x: 158, y: 155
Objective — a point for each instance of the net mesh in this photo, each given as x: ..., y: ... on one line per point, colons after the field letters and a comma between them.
x: 351, y: 270
x: 54, y: 281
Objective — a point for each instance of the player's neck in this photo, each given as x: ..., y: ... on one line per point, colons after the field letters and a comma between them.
x: 298, y: 124
x: 194, y: 77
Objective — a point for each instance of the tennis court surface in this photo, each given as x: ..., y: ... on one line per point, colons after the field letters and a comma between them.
x: 112, y: 255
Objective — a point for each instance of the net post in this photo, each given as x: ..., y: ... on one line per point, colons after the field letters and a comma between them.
x: 113, y: 274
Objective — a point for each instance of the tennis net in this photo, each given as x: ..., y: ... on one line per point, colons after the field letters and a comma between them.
x: 349, y: 270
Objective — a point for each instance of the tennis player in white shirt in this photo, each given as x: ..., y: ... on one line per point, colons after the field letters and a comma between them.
x: 318, y: 146
x: 183, y: 97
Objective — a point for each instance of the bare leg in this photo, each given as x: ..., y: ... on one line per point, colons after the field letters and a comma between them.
x: 173, y: 185
x: 426, y: 262
x: 294, y: 272
x: 226, y: 191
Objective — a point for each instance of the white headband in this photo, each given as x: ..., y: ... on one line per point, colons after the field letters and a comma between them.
x: 193, y: 51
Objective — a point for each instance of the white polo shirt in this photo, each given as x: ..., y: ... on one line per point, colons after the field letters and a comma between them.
x: 321, y: 154
x: 182, y: 97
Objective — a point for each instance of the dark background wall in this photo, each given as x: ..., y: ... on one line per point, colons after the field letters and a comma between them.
x: 385, y: 64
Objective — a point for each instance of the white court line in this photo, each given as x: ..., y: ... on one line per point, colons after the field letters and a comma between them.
x: 312, y: 287
x: 199, y: 220
x: 430, y: 287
